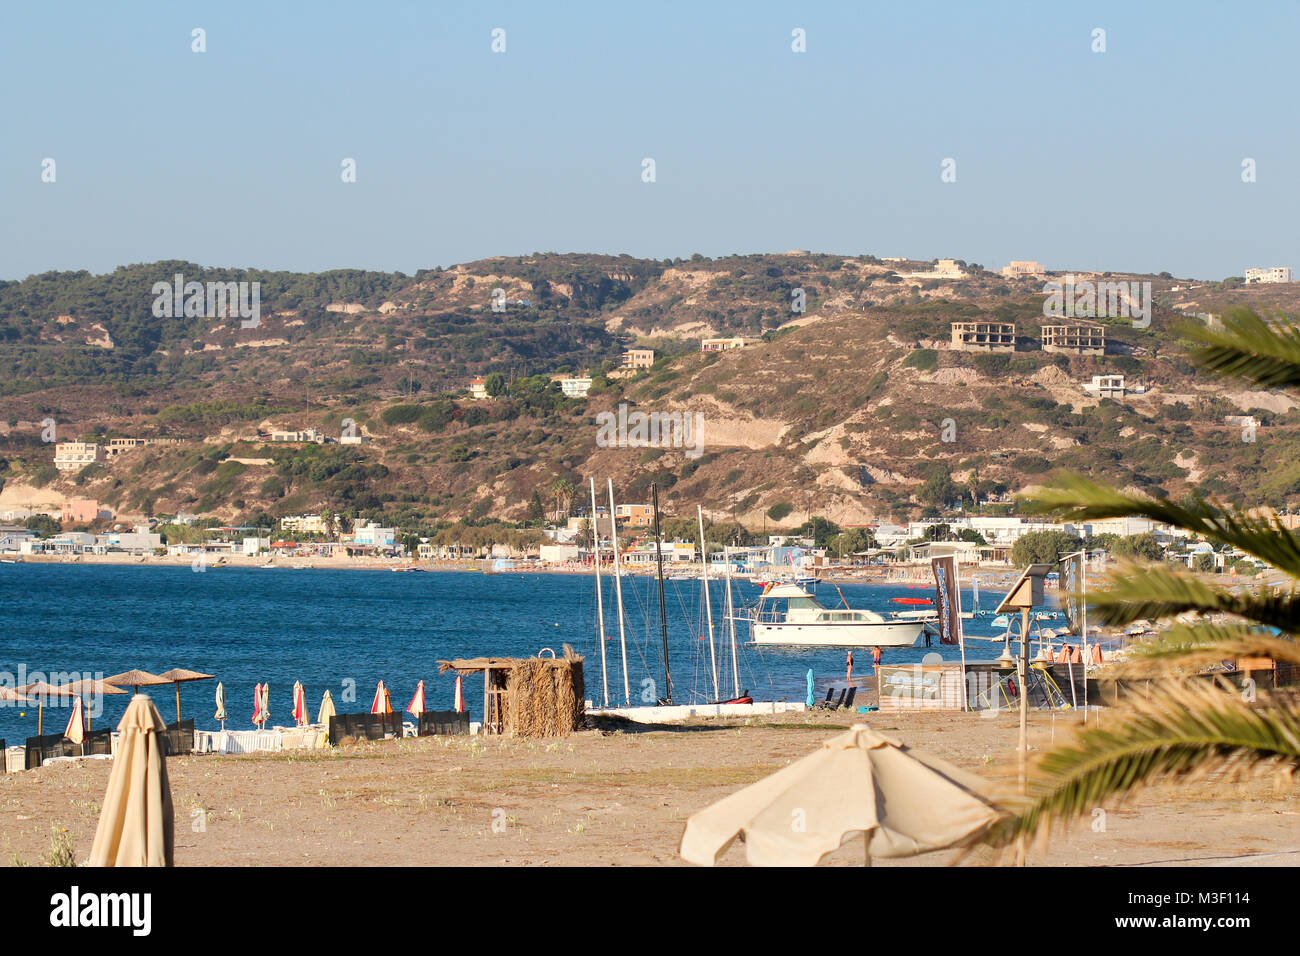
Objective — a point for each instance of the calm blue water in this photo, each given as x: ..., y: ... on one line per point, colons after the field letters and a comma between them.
x: 328, y: 627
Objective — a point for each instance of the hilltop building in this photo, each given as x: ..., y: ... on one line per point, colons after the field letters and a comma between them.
x: 984, y: 336
x: 1024, y: 269
x: 76, y: 455
x: 1276, y: 274
x: 478, y: 388
x: 1079, y: 339
x: 575, y: 386
x: 1106, y: 386
x: 306, y: 436
x: 721, y: 345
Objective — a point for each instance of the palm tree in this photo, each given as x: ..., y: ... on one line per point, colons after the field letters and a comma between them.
x: 563, y: 489
x: 1185, y: 723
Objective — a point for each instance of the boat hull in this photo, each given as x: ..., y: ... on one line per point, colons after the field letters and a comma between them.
x: 867, y: 634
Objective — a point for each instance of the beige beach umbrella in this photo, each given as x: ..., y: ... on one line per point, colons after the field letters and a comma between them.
x: 135, y: 826
x: 326, y: 709
x: 221, y: 705
x: 901, y: 801
x: 89, y: 687
x: 179, y: 675
x: 39, y: 691
x: 135, y: 679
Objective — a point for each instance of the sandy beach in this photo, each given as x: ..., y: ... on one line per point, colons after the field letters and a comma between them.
x: 604, y: 798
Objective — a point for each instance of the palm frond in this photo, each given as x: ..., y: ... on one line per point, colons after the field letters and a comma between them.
x: 1249, y: 346
x: 1155, y: 592
x: 1180, y: 728
x: 1072, y: 497
x: 1191, y: 646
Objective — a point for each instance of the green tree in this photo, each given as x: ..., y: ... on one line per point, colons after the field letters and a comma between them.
x: 1038, y: 547
x: 495, y: 384
x: 1143, y: 546
x: 820, y: 529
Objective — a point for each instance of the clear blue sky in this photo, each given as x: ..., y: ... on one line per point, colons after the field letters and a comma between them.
x: 1129, y: 159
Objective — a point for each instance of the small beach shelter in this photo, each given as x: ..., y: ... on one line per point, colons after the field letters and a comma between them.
x: 901, y: 801
x: 383, y: 702
x: 40, y: 691
x: 326, y: 710
x: 299, y: 704
x: 135, y: 680
x: 93, y: 688
x: 136, y: 825
x: 416, y: 706
x: 221, y: 705
x: 179, y: 675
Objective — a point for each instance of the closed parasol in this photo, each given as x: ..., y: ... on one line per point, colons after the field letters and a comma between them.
x: 416, y: 706
x: 76, y: 729
x: 326, y: 710
x: 383, y: 702
x: 221, y: 705
x: 178, y: 676
x: 459, y: 702
x: 136, y: 823
x: 299, y: 704
x: 901, y: 801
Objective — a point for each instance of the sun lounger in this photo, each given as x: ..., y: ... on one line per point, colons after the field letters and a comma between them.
x: 848, y: 701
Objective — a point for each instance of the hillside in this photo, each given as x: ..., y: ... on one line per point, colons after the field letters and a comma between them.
x: 841, y: 410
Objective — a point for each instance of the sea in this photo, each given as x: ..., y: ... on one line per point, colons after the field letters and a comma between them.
x: 344, y: 630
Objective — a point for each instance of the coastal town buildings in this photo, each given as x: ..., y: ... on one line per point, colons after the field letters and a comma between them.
x: 634, y: 515
x: 83, y: 511
x: 305, y: 524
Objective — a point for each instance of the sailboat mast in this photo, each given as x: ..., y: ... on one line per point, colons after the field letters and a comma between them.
x: 663, y: 611
x: 618, y: 591
x: 708, y: 602
x: 731, y: 626
x: 600, y: 601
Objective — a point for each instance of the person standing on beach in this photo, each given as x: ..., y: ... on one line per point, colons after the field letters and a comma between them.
x: 849, y: 676
x: 875, y: 658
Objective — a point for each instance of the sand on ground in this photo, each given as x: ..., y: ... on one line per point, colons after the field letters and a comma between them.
x: 606, y: 799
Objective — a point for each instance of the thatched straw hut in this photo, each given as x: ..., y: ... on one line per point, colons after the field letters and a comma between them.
x: 528, y: 696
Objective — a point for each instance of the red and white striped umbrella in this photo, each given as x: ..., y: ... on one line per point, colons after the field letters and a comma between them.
x: 257, y: 704
x: 76, y: 730
x: 460, y: 697
x: 299, y: 704
x: 383, y: 703
x: 416, y: 706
